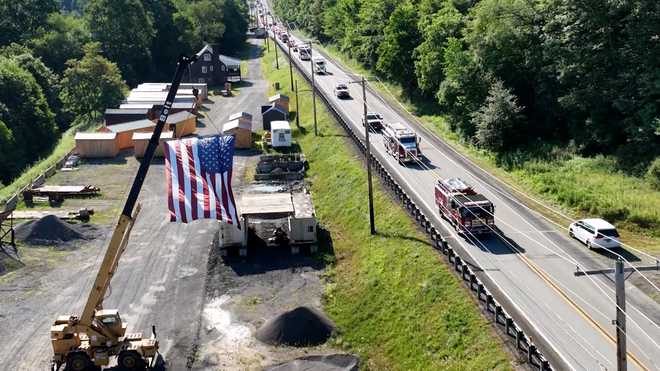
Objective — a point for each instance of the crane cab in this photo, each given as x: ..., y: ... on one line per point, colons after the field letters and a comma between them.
x: 111, y: 321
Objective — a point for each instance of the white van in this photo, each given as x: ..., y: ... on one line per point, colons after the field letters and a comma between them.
x: 595, y: 233
x: 280, y: 134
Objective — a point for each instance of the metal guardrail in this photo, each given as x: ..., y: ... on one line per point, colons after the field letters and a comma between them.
x: 487, y: 301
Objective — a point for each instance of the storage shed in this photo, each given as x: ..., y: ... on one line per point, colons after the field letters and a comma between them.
x: 243, y: 117
x: 114, y: 116
x: 182, y: 123
x: 141, y: 140
x: 303, y: 225
x: 242, y: 131
x: 273, y: 113
x: 125, y: 131
x: 280, y: 134
x: 233, y: 67
x: 280, y: 100
x: 96, y: 145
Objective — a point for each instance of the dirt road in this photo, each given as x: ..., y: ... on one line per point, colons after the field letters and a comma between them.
x: 162, y: 277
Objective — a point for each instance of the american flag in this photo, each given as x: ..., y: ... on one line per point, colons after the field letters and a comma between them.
x: 198, y: 172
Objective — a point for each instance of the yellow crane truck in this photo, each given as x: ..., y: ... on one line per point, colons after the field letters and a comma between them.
x: 92, y: 340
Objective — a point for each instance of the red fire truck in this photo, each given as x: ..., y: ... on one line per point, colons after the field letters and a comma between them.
x: 401, y: 142
x: 468, y: 211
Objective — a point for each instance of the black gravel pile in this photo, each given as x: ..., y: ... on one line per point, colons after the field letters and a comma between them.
x: 332, y: 362
x: 300, y: 327
x: 51, y: 230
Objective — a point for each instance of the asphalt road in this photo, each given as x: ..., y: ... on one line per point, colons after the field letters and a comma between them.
x: 160, y: 279
x: 530, y: 266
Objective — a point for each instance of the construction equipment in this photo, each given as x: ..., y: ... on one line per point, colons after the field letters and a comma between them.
x: 91, y: 340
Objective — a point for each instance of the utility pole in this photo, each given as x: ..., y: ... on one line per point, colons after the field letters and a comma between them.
x: 620, y: 321
x: 372, y: 225
x: 311, y: 64
x: 290, y: 60
x: 277, y: 62
x: 267, y: 43
x: 297, y: 106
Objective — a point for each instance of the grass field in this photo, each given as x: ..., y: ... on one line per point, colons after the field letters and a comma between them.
x: 395, y: 302
x: 64, y: 145
x: 573, y: 185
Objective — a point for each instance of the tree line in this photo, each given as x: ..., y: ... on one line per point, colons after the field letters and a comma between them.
x: 513, y: 76
x: 65, y: 61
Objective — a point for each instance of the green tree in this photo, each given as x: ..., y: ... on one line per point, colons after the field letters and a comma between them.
x: 202, y: 21
x: 91, y: 84
x: 369, y: 32
x: 235, y: 21
x: 168, y: 41
x: 464, y: 88
x: 607, y: 62
x: 125, y: 31
x: 8, y: 159
x: 653, y: 174
x: 44, y: 76
x: 63, y: 40
x: 499, y: 119
x: 447, y: 22
x: 25, y: 113
x: 22, y: 20
x: 395, y: 52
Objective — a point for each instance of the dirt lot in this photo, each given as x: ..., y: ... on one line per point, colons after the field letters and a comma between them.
x: 205, y: 309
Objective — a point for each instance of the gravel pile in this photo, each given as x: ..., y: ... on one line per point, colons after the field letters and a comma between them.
x: 332, y: 362
x: 300, y: 327
x: 51, y: 230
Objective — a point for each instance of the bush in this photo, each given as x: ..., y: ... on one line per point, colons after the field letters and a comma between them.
x: 653, y: 173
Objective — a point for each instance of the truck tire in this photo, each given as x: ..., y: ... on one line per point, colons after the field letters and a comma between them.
x: 130, y: 360
x: 78, y: 361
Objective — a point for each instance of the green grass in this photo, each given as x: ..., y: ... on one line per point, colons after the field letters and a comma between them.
x: 395, y: 302
x: 574, y: 185
x: 63, y: 146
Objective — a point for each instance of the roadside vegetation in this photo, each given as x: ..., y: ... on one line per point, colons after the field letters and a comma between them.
x: 63, y: 146
x: 63, y: 62
x: 395, y: 302
x: 541, y: 115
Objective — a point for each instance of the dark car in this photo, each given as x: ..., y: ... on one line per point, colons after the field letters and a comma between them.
x: 375, y: 121
x: 341, y: 91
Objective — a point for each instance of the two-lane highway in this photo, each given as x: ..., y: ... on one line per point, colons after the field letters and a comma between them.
x: 527, y: 261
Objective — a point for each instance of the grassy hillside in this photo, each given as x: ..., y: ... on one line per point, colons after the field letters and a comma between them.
x: 394, y: 300
x: 64, y: 145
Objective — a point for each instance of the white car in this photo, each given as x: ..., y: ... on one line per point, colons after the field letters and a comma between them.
x: 595, y: 233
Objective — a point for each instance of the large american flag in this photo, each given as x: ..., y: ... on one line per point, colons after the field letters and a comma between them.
x: 198, y: 172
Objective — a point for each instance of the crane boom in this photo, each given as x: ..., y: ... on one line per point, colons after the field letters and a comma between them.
x: 97, y: 335
x: 124, y: 224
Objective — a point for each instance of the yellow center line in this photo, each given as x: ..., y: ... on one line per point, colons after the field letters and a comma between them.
x: 579, y: 309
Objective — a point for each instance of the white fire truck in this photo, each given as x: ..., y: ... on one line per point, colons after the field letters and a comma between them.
x: 401, y: 142
x: 469, y: 212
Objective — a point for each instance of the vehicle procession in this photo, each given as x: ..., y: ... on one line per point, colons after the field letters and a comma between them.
x: 469, y: 212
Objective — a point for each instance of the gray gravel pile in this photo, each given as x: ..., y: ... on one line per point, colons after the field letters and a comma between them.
x: 332, y: 362
x: 51, y: 230
x: 300, y: 327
